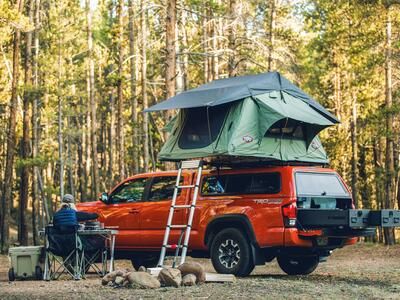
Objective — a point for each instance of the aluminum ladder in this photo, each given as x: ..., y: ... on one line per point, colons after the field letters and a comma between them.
x: 186, y: 228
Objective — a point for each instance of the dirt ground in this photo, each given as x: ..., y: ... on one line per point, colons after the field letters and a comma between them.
x: 363, y: 271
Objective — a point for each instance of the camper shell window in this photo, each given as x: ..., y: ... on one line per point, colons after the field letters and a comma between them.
x: 321, y: 190
x: 286, y: 128
x: 202, y: 126
x: 234, y: 184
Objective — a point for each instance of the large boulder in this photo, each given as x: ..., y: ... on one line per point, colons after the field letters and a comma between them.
x: 193, y: 268
x: 143, y: 280
x: 170, y: 277
x: 189, y: 280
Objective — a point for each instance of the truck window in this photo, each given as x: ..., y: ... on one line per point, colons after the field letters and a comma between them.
x: 231, y: 184
x: 130, y: 191
x: 321, y: 190
x: 162, y: 188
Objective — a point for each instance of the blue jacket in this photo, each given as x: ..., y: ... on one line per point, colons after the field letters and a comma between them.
x: 65, y: 217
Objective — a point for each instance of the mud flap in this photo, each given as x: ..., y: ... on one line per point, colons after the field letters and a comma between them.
x: 258, y: 255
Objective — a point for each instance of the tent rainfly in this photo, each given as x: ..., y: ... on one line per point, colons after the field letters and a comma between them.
x: 261, y: 116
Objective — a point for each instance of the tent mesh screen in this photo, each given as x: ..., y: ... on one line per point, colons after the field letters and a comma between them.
x: 202, y: 127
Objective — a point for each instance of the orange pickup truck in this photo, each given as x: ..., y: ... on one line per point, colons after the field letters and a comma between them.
x: 244, y: 217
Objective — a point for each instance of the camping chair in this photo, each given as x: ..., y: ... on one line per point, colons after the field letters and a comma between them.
x: 64, y: 253
x: 95, y: 251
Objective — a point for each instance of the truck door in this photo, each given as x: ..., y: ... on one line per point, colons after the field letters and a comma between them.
x: 122, y: 211
x: 155, y: 209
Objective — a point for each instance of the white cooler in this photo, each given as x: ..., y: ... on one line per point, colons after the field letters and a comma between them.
x: 26, y: 262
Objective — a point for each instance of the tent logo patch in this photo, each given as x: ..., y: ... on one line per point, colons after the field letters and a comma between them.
x: 247, y: 138
x: 314, y: 145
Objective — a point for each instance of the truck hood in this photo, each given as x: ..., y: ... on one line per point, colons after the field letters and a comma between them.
x: 89, y: 205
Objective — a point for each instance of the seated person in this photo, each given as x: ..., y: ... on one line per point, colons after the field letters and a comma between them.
x: 81, y: 215
x: 65, y: 219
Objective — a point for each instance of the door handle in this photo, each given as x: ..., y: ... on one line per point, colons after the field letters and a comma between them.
x: 134, y: 211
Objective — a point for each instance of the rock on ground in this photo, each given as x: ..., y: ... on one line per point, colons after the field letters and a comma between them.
x: 193, y: 268
x: 189, y: 280
x: 143, y: 280
x: 170, y: 277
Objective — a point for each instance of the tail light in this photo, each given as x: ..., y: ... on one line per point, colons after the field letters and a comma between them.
x: 290, y: 214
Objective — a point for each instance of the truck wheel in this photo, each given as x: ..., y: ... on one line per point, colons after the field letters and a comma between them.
x: 298, y: 265
x: 11, y: 274
x: 147, y: 262
x: 231, y: 253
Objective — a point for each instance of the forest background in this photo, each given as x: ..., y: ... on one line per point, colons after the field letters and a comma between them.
x: 75, y: 76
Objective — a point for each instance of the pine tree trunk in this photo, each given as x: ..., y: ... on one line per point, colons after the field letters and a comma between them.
x: 232, y: 39
x: 145, y: 128
x: 70, y: 162
x: 271, y: 38
x: 214, y: 45
x: 389, y: 163
x: 25, y: 144
x: 184, y: 58
x: 170, y: 69
x: 35, y: 134
x: 134, y: 103
x: 120, y: 104
x: 354, y: 151
x: 60, y: 123
x: 111, y: 136
x: 204, y: 36
x: 91, y: 91
x: 8, y: 173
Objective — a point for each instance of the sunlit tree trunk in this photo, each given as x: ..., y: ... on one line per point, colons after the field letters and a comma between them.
x: 145, y: 128
x: 389, y: 163
x: 8, y: 173
x: 92, y: 101
x: 271, y: 34
x: 35, y: 128
x: 204, y: 41
x: 170, y: 60
x: 232, y: 39
x: 134, y: 103
x: 25, y: 143
x: 120, y: 100
x: 184, y: 58
x: 60, y: 114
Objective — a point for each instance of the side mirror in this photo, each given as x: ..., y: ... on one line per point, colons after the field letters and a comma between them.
x: 104, y: 197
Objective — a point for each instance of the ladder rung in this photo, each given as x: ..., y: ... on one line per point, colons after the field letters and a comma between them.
x: 190, y: 164
x: 183, y: 206
x: 178, y: 226
x: 186, y: 186
x: 173, y: 246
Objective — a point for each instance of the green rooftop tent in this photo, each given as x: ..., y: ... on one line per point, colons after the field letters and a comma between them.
x: 261, y: 116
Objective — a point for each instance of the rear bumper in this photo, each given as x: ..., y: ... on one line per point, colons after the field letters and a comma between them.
x: 327, y: 238
x: 330, y: 229
x: 352, y: 219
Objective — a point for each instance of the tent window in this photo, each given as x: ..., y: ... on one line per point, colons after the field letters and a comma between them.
x: 286, y: 128
x: 196, y: 132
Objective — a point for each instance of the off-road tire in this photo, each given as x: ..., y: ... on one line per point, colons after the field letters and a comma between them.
x: 145, y: 261
x: 298, y: 265
x: 230, y: 253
